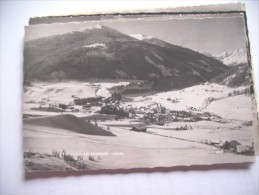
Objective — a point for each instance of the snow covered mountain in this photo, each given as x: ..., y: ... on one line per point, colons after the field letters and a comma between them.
x: 100, y: 52
x: 232, y: 58
x: 140, y: 36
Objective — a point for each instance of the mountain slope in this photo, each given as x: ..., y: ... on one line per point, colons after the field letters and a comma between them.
x: 235, y: 77
x: 102, y: 52
x: 68, y: 122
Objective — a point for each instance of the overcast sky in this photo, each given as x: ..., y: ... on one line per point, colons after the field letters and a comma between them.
x: 212, y: 34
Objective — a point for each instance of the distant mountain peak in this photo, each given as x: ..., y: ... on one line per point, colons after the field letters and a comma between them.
x: 101, y: 52
x: 98, y: 26
x: 232, y: 58
x: 140, y: 36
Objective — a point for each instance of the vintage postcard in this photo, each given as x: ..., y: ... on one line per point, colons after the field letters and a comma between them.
x: 145, y: 90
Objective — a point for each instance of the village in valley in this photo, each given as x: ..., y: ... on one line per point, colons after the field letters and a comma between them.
x: 107, y: 108
x: 138, y: 92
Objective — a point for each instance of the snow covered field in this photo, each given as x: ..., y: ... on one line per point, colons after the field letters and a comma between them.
x: 62, y: 92
x: 189, y: 97
x: 160, y: 146
x: 130, y: 149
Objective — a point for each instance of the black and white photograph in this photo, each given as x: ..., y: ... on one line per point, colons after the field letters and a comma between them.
x: 129, y: 91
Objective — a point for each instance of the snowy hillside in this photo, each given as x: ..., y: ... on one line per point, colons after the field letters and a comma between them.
x: 140, y: 36
x: 200, y: 97
x: 66, y: 92
x: 236, y: 107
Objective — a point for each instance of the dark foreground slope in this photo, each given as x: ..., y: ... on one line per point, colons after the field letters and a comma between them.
x: 68, y: 122
x: 104, y: 53
x: 236, y: 76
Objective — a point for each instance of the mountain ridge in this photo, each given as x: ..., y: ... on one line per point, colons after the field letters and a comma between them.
x: 232, y: 58
x: 106, y: 53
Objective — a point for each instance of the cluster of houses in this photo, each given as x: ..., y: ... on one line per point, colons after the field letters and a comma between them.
x: 155, y: 113
x: 232, y: 146
x: 46, y: 106
x: 245, y: 91
x: 56, y: 108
